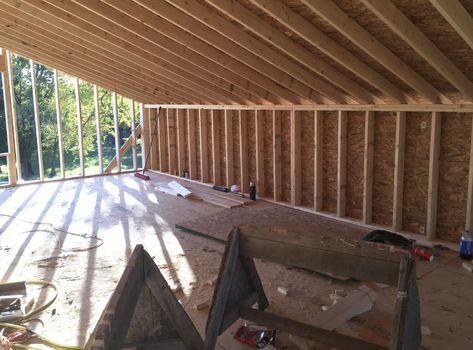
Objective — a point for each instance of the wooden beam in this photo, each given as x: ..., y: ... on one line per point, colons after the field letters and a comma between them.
x: 259, y: 130
x: 279, y: 39
x: 277, y: 164
x: 37, y: 121
x: 171, y: 124
x: 143, y: 141
x: 14, y: 119
x: 181, y: 142
x: 432, y: 193
x: 191, y: 143
x: 215, y: 147
x: 402, y: 26
x: 217, y: 31
x: 318, y: 160
x: 457, y: 16
x: 229, y: 147
x: 243, y: 126
x: 62, y: 19
x: 7, y: 98
x: 133, y: 134
x: 399, y: 170
x: 98, y: 127
x: 340, y: 20
x: 153, y: 162
x: 123, y: 149
x: 163, y: 160
x: 117, y: 132
x: 295, y: 159
x: 342, y: 163
x: 456, y: 108
x: 368, y: 168
x: 204, y: 163
x: 469, y: 203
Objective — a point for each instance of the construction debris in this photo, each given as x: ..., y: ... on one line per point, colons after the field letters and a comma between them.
x: 425, y: 330
x: 181, y: 190
x: 202, y: 305
x: 283, y: 290
x: 468, y: 267
x: 355, y: 303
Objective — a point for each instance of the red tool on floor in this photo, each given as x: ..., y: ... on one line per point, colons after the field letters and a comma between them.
x: 142, y: 175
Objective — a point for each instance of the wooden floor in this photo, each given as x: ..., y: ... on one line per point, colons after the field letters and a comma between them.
x: 125, y: 211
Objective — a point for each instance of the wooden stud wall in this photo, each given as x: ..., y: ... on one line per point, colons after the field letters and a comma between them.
x: 401, y: 170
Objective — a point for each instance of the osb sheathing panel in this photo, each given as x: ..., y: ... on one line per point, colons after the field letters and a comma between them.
x: 416, y: 171
x: 285, y: 156
x: 355, y: 164
x: 236, y: 149
x: 330, y: 149
x: 209, y: 145
x: 251, y: 141
x: 383, y: 167
x: 453, y: 178
x: 268, y: 153
x: 307, y: 158
x: 197, y: 144
x: 222, y: 158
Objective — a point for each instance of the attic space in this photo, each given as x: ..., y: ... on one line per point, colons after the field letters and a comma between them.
x: 236, y: 174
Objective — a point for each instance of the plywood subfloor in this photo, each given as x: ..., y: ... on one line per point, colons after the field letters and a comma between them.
x: 125, y: 211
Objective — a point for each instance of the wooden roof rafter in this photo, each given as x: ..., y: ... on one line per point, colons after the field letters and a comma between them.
x: 64, y: 13
x: 248, y: 51
x: 272, y: 35
x: 299, y: 25
x: 193, y: 51
x: 174, y: 65
x: 402, y: 26
x: 358, y: 35
x: 38, y: 39
x: 458, y: 17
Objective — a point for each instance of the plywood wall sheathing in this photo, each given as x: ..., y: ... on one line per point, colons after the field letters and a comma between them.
x: 399, y: 156
x: 355, y: 165
x: 318, y: 160
x: 277, y: 188
x: 307, y: 158
x: 330, y: 132
x: 243, y: 128
x: 341, y: 163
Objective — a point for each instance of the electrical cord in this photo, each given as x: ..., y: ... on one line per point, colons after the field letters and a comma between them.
x: 82, y: 235
x: 17, y: 325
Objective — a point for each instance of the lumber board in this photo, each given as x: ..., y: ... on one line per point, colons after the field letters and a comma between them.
x: 432, y: 194
x: 126, y: 146
x: 133, y: 134
x: 399, y: 170
x: 329, y: 338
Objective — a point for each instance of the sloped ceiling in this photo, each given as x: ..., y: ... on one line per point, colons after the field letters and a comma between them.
x: 253, y: 51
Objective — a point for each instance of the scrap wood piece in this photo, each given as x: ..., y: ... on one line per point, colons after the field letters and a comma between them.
x: 181, y: 190
x: 234, y: 197
x: 163, y: 187
x: 355, y: 303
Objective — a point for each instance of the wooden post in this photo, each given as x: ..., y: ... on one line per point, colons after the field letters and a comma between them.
x: 342, y: 163
x: 191, y: 144
x: 144, y: 134
x: 368, y: 168
x: 259, y: 152
x: 433, y: 175
x: 37, y: 121
x: 469, y: 209
x: 181, y: 141
x: 117, y: 132
x: 318, y: 160
x: 215, y: 147
x: 79, y: 128
x: 7, y: 98
x: 295, y: 159
x: 153, y: 154
x: 133, y: 133
x: 399, y: 170
x: 277, y: 189
x: 162, y: 118
x: 14, y: 120
x: 171, y: 123
x: 229, y: 148
x: 98, y: 128
x: 204, y: 164
x: 243, y: 120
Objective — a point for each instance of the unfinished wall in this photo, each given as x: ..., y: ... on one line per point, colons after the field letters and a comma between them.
x: 405, y: 136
